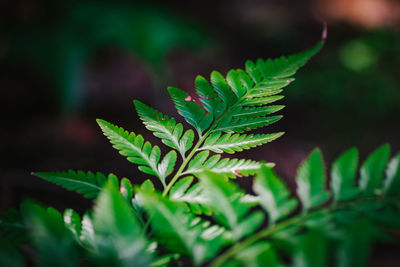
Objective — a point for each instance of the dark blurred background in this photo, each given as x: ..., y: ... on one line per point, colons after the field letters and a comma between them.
x: 65, y: 63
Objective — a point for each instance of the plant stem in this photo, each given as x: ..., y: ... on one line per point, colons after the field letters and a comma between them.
x: 184, y: 163
x: 195, y: 148
x: 219, y: 261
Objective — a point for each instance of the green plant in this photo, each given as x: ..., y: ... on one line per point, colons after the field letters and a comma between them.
x: 201, y: 217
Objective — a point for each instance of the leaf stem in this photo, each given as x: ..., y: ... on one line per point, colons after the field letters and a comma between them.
x: 232, y: 251
x: 184, y: 163
x: 201, y: 140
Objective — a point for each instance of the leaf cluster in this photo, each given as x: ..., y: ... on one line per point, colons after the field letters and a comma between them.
x: 200, y: 216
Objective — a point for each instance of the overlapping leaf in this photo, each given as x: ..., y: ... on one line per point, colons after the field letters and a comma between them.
x: 88, y: 184
x: 228, y: 167
x: 165, y: 128
x: 274, y: 195
x: 311, y: 180
x: 190, y: 110
x: 139, y: 152
x: 54, y: 242
x: 113, y: 217
x: 343, y: 175
x: 225, y: 199
x: 228, y: 143
x: 179, y: 230
x: 372, y: 170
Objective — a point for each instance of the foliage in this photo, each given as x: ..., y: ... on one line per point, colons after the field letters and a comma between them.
x: 201, y: 217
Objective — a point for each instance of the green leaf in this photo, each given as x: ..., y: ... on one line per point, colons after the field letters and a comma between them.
x: 311, y: 250
x: 343, y: 175
x: 280, y: 68
x: 274, y: 195
x: 86, y: 183
x: 87, y: 237
x: 229, y: 143
x: 392, y: 181
x: 176, y: 228
x: 371, y: 173
x: 138, y: 151
x: 113, y: 217
x: 259, y: 101
x: 258, y: 255
x: 73, y: 222
x: 165, y: 128
x: 209, y: 98
x: 54, y: 242
x: 166, y: 166
x: 126, y: 189
x: 252, y: 112
x: 222, y: 88
x: 193, y: 196
x: 190, y: 110
x: 238, y: 124
x: 310, y: 180
x: 228, y: 167
x: 225, y: 199
x: 239, y: 81
x: 355, y: 245
x: 180, y: 187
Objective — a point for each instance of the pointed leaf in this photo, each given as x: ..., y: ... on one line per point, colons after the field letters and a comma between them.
x: 113, y: 217
x: 343, y: 175
x: 89, y: 184
x: 392, y: 181
x: 225, y: 198
x: 274, y: 195
x: 135, y: 149
x: 227, y: 167
x: 229, y: 143
x: 165, y: 128
x: 311, y: 181
x: 190, y: 110
x: 210, y: 100
x: 371, y: 173
x: 222, y: 88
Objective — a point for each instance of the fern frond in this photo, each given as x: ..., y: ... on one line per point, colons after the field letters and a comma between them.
x: 228, y: 143
x: 54, y: 242
x: 183, y: 191
x: 88, y: 184
x: 240, y: 125
x: 343, y: 176
x: 229, y: 167
x: 392, y: 181
x: 179, y: 230
x: 114, y: 217
x: 253, y: 112
x: 331, y: 225
x: 274, y: 195
x: 372, y: 170
x: 224, y: 91
x: 139, y: 152
x: 311, y: 180
x: 230, y: 100
x: 280, y: 68
x: 197, y: 201
x: 190, y: 110
x: 226, y: 201
x: 209, y: 98
x: 165, y: 128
